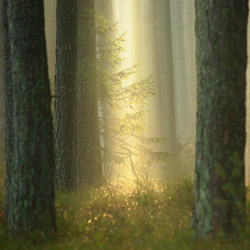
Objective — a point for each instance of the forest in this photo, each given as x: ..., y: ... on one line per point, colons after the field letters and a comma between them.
x: 124, y: 124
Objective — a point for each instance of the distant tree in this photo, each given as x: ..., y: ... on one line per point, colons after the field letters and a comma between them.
x: 180, y: 61
x: 77, y: 145
x: 106, y: 8
x: 29, y: 144
x: 168, y: 84
x: 89, y: 165
x: 152, y: 49
x: 121, y: 109
x: 219, y: 192
x: 65, y: 94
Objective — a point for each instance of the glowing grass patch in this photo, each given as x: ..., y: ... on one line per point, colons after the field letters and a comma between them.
x: 122, y: 215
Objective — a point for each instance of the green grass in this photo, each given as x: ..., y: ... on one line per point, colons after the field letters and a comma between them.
x: 116, y: 216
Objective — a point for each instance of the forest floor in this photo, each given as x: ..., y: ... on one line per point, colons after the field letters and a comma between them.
x: 117, y: 216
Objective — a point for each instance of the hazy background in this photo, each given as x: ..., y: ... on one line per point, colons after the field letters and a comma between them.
x: 160, y: 36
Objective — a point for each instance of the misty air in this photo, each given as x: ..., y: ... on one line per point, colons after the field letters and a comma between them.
x: 124, y: 124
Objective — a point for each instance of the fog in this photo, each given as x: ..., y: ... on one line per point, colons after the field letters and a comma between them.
x: 164, y: 46
x: 160, y: 38
x: 118, y: 168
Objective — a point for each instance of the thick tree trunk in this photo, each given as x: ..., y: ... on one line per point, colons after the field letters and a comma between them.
x: 65, y: 94
x: 219, y: 193
x: 89, y: 165
x: 30, y: 188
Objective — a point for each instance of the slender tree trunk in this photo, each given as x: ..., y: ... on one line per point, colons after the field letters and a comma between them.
x: 65, y: 94
x: 180, y: 69
x: 150, y: 34
x: 50, y: 34
x: 1, y: 99
x: 8, y: 101
x: 88, y: 142
x: 106, y: 8
x: 30, y: 183
x: 219, y: 193
x: 169, y: 82
x: 189, y: 50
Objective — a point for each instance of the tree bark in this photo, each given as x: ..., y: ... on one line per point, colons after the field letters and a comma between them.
x: 65, y: 94
x: 219, y: 193
x: 89, y: 164
x: 30, y: 183
x: 1, y: 99
x: 8, y: 102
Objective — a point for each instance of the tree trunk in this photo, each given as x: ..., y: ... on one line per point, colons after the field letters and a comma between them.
x: 8, y: 103
x: 180, y: 69
x: 106, y: 9
x: 89, y: 165
x: 30, y: 190
x: 221, y: 32
x: 168, y: 82
x: 65, y: 94
x: 1, y: 101
x: 152, y: 49
x: 50, y: 35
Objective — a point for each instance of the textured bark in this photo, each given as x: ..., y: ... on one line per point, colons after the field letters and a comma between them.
x: 8, y: 102
x: 221, y: 65
x: 65, y: 94
x: 89, y: 165
x: 1, y: 99
x: 30, y: 200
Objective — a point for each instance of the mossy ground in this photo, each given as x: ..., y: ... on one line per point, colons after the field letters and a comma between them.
x: 116, y: 216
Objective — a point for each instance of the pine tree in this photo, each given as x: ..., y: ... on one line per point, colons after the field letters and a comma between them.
x: 8, y: 107
x: 106, y: 8
x: 1, y: 98
x: 30, y: 172
x: 89, y: 165
x: 65, y: 94
x: 219, y: 193
x: 122, y: 104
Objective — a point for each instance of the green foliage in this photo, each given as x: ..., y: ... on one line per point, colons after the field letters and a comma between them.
x: 115, y: 216
x: 122, y: 102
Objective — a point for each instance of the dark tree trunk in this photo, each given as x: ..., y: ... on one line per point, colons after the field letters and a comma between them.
x: 65, y: 94
x: 221, y: 32
x: 30, y: 187
x: 1, y: 98
x: 8, y: 101
x: 89, y: 165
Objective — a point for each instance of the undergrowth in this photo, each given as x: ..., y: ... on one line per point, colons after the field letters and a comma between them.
x: 123, y: 216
